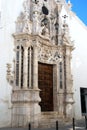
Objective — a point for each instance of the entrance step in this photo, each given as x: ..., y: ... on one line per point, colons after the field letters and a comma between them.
x: 48, y: 119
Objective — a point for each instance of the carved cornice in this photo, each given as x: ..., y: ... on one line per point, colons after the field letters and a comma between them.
x: 21, y: 35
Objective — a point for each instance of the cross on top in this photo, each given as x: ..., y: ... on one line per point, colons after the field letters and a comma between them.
x: 65, y: 16
x: 64, y: 23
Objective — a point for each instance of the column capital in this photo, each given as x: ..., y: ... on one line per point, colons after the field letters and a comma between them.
x: 25, y: 47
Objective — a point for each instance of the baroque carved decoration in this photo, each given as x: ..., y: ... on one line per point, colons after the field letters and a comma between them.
x: 48, y: 54
x: 23, y: 23
x: 9, y: 75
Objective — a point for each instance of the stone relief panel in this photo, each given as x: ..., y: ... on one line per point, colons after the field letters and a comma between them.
x: 49, y: 54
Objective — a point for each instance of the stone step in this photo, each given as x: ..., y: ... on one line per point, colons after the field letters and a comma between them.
x: 50, y: 115
x: 48, y: 119
x: 49, y: 124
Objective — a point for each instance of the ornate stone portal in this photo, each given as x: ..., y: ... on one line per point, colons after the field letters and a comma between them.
x: 40, y: 39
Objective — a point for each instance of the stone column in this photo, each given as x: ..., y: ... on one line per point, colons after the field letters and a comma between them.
x: 20, y: 68
x: 35, y: 68
x: 15, y: 69
x: 69, y: 84
x: 30, y: 68
x: 68, y: 69
x: 25, y: 68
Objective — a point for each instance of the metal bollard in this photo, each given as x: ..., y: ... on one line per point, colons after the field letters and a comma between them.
x: 73, y: 124
x: 86, y: 122
x: 56, y: 125
x: 29, y: 126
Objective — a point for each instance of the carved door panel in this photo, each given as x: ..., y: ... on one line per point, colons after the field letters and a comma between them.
x: 45, y: 83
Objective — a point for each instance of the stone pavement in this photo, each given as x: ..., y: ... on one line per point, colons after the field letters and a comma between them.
x: 79, y: 125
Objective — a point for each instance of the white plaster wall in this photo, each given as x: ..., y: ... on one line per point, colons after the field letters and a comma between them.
x: 79, y: 61
x: 9, y: 11
x: 78, y: 33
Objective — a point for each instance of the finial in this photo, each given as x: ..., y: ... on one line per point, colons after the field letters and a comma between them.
x: 60, y: 1
x: 35, y: 1
x: 25, y: 5
x: 69, y: 4
x: 65, y: 25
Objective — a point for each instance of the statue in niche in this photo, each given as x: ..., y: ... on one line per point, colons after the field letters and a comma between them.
x: 45, y: 31
x: 25, y: 5
x: 26, y: 23
x: 21, y: 16
x: 45, y: 27
x: 27, y: 27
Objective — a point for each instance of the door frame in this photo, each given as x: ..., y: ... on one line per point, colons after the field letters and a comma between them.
x: 55, y: 85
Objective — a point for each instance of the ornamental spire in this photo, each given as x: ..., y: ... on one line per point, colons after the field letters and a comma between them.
x: 61, y: 1
x: 69, y: 4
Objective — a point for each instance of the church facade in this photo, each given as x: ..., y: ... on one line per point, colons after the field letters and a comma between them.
x: 37, y: 85
x: 41, y: 79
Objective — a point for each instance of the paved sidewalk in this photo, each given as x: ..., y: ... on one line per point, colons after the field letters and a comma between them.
x: 80, y: 125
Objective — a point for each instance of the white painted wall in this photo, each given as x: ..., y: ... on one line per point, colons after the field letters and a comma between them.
x: 78, y: 33
x: 10, y: 9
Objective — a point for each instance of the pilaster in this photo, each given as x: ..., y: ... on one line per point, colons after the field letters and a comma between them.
x: 68, y: 70
x: 69, y: 92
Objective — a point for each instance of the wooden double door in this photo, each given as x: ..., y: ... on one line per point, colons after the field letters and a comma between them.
x: 45, y: 83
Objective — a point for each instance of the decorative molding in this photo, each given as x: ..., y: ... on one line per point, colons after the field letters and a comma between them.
x: 9, y: 75
x: 49, y: 54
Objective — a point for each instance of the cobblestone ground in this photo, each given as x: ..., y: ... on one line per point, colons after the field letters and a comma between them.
x: 79, y: 125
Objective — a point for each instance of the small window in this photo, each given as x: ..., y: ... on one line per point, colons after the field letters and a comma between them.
x: 83, y: 97
x: 45, y: 10
x: 22, y: 64
x: 60, y: 72
x: 17, y: 68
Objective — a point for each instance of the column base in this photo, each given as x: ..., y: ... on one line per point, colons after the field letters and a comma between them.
x: 69, y: 105
x: 25, y: 107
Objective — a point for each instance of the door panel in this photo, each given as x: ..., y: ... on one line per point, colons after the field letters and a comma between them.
x: 45, y: 83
